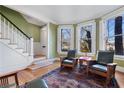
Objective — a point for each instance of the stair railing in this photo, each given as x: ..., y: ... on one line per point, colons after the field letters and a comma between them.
x: 8, y: 30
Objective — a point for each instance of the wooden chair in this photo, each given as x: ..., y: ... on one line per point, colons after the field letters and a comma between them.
x: 70, y: 60
x: 4, y: 81
x: 103, y: 66
x: 36, y: 83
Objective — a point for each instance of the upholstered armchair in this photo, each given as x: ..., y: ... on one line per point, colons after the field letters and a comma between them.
x: 36, y: 83
x: 70, y: 60
x: 104, y: 65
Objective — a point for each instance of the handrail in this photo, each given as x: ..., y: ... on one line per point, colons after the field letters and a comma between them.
x: 15, y: 25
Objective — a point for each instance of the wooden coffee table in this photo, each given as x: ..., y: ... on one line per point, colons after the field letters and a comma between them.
x: 83, y: 62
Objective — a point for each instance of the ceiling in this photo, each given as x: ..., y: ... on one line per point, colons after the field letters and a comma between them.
x: 33, y: 20
x: 63, y: 14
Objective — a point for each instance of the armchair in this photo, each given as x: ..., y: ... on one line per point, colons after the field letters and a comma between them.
x: 70, y: 60
x: 36, y: 83
x: 103, y: 66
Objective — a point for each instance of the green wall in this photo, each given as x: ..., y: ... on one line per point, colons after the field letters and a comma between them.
x: 34, y: 32
x: 52, y: 40
x: 29, y: 29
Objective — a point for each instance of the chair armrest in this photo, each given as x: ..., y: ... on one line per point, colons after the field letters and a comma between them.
x: 111, y: 64
x: 75, y: 58
x: 62, y: 58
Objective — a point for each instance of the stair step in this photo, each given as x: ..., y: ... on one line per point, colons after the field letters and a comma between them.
x: 39, y: 65
x: 4, y: 40
x: 25, y: 54
x: 39, y: 58
x: 20, y: 50
x: 13, y: 46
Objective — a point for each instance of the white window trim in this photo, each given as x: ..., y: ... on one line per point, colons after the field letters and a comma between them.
x: 59, y: 38
x: 93, y: 33
x: 102, y: 29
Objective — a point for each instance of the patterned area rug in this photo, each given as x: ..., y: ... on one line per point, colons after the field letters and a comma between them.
x: 68, y: 78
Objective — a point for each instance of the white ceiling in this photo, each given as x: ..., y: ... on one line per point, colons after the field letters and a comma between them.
x: 33, y: 20
x: 65, y: 14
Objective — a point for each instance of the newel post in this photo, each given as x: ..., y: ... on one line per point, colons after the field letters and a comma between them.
x: 31, y: 47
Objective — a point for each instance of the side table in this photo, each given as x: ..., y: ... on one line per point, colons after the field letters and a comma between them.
x: 83, y: 61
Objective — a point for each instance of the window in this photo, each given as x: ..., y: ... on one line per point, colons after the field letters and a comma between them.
x: 65, y: 38
x: 86, y: 35
x: 115, y: 35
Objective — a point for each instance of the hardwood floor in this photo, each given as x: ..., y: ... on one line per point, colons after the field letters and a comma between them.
x: 120, y: 78
x: 28, y: 75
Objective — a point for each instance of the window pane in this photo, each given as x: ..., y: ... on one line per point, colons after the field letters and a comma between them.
x: 115, y: 41
x: 111, y: 27
x: 85, y: 38
x: 65, y: 39
x: 123, y: 26
x: 110, y: 43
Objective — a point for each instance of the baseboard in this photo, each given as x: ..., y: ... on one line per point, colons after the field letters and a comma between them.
x: 119, y: 68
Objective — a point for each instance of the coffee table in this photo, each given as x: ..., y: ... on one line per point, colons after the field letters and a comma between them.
x: 83, y: 62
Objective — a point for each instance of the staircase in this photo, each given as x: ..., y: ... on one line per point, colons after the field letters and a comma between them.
x: 16, y: 48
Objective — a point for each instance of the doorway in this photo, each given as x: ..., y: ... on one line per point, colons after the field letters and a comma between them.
x: 44, y: 41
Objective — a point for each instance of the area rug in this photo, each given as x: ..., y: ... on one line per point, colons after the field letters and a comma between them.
x: 68, y: 78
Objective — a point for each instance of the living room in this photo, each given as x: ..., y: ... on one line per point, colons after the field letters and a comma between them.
x: 53, y: 34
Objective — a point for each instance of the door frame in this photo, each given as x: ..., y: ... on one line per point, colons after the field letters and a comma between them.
x: 46, y: 29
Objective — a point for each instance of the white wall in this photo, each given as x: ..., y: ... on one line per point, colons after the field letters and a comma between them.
x: 11, y: 60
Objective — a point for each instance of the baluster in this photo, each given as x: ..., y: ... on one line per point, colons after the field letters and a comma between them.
x: 0, y: 27
x: 31, y: 46
x: 16, y: 35
x: 26, y: 45
x: 25, y: 41
x: 17, y: 38
x: 12, y: 34
x: 8, y: 29
x: 4, y: 27
x: 21, y: 41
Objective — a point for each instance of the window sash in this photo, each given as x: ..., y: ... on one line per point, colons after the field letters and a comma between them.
x: 59, y: 39
x: 93, y: 37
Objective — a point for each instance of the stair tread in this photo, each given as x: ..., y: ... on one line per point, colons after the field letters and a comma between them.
x: 39, y: 65
x: 5, y: 38
x: 12, y: 43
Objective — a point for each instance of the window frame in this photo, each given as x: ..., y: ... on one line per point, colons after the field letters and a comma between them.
x: 93, y: 38
x: 59, y: 38
x: 103, y: 29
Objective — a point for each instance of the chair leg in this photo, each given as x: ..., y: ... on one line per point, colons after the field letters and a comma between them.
x: 61, y: 67
x: 107, y: 81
